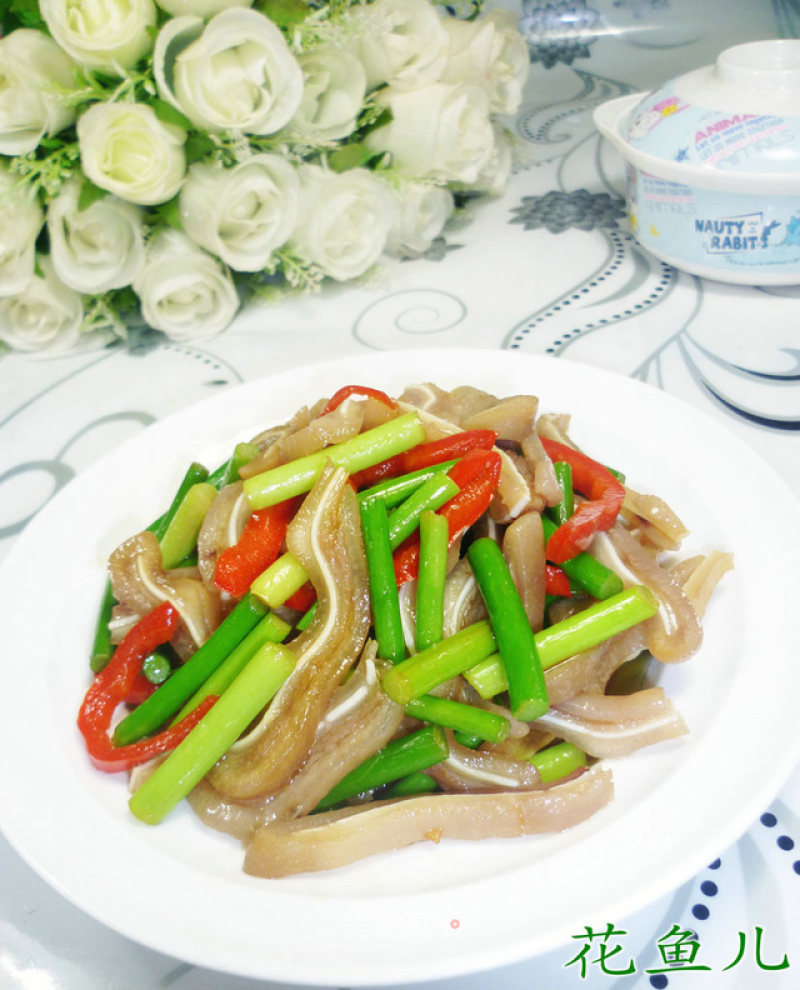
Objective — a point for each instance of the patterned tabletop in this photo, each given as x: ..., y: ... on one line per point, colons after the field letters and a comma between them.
x: 551, y: 267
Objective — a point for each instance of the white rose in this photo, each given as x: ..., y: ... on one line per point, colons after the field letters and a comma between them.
x: 126, y: 150
x: 20, y: 222
x: 44, y: 318
x: 494, y: 174
x: 421, y: 211
x: 111, y: 35
x: 345, y: 219
x: 333, y: 93
x: 241, y: 214
x: 440, y: 132
x: 98, y: 248
x: 235, y: 73
x: 35, y: 75
x: 200, y: 8
x: 490, y: 50
x: 184, y: 292
x: 400, y: 41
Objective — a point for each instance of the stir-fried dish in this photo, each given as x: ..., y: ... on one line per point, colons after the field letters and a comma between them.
x: 392, y: 619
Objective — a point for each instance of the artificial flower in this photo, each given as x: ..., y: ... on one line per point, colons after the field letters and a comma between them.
x: 334, y: 87
x: 345, y: 220
x: 99, y: 247
x: 110, y: 35
x: 35, y: 77
x: 241, y: 214
x: 128, y: 151
x: 234, y: 73
x: 402, y: 42
x: 420, y: 213
x: 442, y: 131
x: 44, y: 317
x: 185, y: 292
x: 490, y: 51
x: 20, y: 222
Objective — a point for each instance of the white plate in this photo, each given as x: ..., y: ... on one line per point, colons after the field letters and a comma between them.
x: 434, y: 910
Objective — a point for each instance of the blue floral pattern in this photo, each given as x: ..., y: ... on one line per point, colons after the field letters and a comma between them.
x: 559, y: 211
x: 559, y: 32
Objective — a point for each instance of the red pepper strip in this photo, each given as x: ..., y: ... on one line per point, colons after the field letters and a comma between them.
x: 476, y: 475
x: 605, y: 496
x: 140, y: 691
x: 556, y: 581
x: 346, y: 391
x: 303, y: 598
x: 113, y: 685
x: 427, y: 454
x: 257, y: 548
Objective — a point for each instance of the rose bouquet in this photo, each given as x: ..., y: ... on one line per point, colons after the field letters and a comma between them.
x: 163, y: 162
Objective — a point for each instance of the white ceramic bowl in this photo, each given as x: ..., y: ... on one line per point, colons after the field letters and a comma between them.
x: 713, y: 165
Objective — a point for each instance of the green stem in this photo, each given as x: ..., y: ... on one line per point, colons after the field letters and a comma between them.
x: 489, y: 726
x: 174, y: 692
x: 433, y: 666
x: 102, y: 648
x: 433, y: 540
x: 228, y: 473
x: 515, y: 640
x: 271, y: 629
x: 364, y: 450
x: 414, y: 783
x: 386, y: 617
x: 565, y: 508
x: 579, y: 632
x: 195, y: 474
x: 416, y: 751
x: 180, y: 536
x: 393, y: 491
x: 558, y: 761
x: 214, y: 734
x: 586, y: 571
x: 279, y: 581
x: 432, y: 494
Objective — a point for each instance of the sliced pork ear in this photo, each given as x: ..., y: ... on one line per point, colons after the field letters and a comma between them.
x: 360, y: 721
x: 325, y: 536
x: 611, y: 726
x: 454, y: 406
x: 463, y: 603
x: 479, y: 771
x: 512, y: 418
x: 336, y: 838
x: 221, y: 528
x: 269, y: 444
x: 341, y: 424
x: 523, y: 549
x: 544, y: 483
x: 139, y: 583
x: 674, y: 633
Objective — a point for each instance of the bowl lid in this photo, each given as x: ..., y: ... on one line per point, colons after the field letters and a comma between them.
x: 741, y: 114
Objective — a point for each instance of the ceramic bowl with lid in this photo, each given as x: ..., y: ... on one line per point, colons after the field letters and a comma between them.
x: 713, y: 165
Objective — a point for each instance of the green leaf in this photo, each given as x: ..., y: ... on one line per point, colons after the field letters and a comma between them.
x: 168, y: 114
x: 89, y: 194
x: 22, y: 13
x: 284, y: 13
x: 350, y: 156
x: 198, y: 146
x: 170, y: 213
